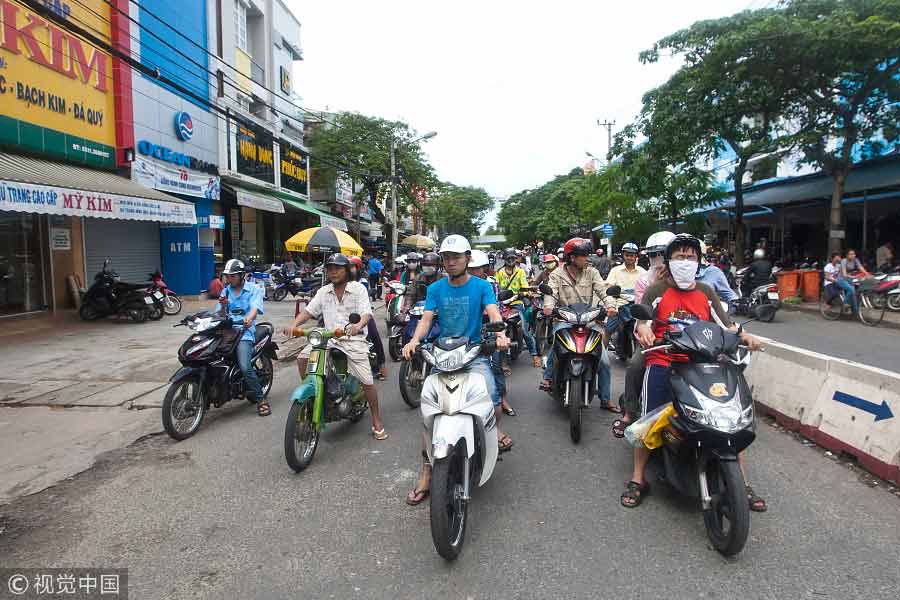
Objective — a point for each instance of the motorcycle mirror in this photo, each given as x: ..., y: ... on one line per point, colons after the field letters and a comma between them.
x: 496, y: 326
x: 546, y: 289
x: 505, y: 295
x: 641, y: 312
x: 615, y: 291
x: 354, y: 318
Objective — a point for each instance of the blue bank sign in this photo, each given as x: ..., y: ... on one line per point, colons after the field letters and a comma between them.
x: 176, y: 158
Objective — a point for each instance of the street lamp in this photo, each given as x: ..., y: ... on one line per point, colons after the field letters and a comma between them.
x: 394, y: 219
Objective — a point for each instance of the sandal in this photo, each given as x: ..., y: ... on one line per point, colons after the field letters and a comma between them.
x: 504, y: 444
x: 634, y: 492
x: 263, y: 409
x: 507, y: 372
x: 379, y: 434
x: 381, y: 377
x: 757, y: 504
x: 415, y: 495
x: 618, y: 428
x: 509, y: 411
x: 611, y: 408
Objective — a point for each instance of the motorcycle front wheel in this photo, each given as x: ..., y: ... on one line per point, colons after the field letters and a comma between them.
x: 155, y: 313
x: 410, y: 390
x: 301, y: 438
x: 138, y: 315
x: 893, y: 301
x: 448, y: 509
x: 395, y: 348
x: 280, y: 294
x: 172, y: 304
x: 183, y: 409
x: 728, y: 520
x: 87, y: 312
x: 576, y: 399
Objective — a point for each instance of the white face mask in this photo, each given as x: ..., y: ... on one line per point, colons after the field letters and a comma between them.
x: 683, y: 272
x: 429, y: 270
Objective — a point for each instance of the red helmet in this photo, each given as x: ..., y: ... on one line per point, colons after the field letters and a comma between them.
x: 576, y: 246
x: 356, y: 261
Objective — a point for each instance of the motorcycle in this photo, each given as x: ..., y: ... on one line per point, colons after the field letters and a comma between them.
x: 171, y: 301
x: 713, y: 422
x: 414, y: 372
x: 514, y: 326
x: 329, y: 393
x: 761, y: 295
x: 396, y: 318
x: 210, y: 374
x: 577, y: 354
x: 108, y: 296
x: 459, y: 420
x: 284, y: 284
x: 873, y: 296
x: 621, y: 342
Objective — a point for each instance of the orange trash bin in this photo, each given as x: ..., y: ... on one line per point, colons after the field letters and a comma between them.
x: 788, y: 284
x: 810, y: 285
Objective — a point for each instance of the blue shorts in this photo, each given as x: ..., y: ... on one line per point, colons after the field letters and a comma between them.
x: 657, y: 391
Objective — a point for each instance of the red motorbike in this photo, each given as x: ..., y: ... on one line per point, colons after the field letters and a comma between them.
x: 171, y: 301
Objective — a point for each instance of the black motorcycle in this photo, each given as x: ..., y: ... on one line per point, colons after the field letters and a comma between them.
x: 712, y: 424
x: 576, y: 358
x: 295, y: 285
x: 621, y: 341
x: 108, y: 296
x: 210, y: 374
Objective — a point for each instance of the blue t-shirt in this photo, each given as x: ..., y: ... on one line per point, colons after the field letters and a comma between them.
x: 375, y: 266
x: 251, y: 296
x: 459, y: 309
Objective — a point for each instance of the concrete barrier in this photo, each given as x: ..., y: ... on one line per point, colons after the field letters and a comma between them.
x: 840, y: 404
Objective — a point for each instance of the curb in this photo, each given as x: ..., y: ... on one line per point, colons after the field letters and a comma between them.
x: 814, y: 309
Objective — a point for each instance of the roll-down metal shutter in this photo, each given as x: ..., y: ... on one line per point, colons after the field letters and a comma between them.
x: 131, y: 246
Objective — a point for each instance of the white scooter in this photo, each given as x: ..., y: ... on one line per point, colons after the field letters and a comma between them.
x: 459, y: 419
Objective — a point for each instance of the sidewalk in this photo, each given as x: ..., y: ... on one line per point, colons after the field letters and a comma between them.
x: 891, y: 318
x: 71, y: 390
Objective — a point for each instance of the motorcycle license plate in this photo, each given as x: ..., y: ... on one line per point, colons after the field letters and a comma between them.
x: 158, y: 295
x: 773, y: 295
x: 148, y: 300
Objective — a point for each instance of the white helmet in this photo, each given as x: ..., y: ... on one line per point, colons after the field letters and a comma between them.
x: 455, y: 243
x: 400, y: 260
x: 758, y: 254
x: 233, y: 267
x: 479, y: 259
x: 659, y: 241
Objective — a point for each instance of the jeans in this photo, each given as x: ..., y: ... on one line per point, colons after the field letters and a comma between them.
x: 482, y: 365
x: 613, y: 323
x: 548, y: 370
x: 499, y: 377
x: 529, y: 339
x: 634, y: 383
x: 244, y: 353
x: 374, y: 287
x: 849, y: 293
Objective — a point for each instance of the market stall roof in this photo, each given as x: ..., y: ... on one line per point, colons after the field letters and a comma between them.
x: 41, y: 186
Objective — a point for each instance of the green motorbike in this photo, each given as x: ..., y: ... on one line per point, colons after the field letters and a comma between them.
x: 328, y: 393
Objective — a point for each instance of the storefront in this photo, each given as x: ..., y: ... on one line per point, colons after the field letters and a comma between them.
x: 59, y: 220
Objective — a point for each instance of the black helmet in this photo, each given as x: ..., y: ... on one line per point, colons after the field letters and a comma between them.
x: 510, y: 253
x: 338, y: 260
x: 432, y: 259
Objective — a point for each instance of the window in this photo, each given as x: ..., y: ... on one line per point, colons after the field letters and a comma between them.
x: 243, y: 101
x: 240, y: 25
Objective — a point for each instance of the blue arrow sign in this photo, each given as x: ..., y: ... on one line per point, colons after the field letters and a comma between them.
x: 881, y: 412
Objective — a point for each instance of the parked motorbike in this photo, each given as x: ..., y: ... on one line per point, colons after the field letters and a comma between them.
x: 761, y: 295
x: 295, y: 285
x: 414, y: 372
x: 459, y: 420
x: 210, y: 374
x: 713, y: 423
x: 108, y: 296
x: 171, y: 302
x: 328, y: 393
x: 577, y: 354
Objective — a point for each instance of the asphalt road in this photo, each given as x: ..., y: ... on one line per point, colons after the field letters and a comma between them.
x: 222, y: 516
x: 846, y: 338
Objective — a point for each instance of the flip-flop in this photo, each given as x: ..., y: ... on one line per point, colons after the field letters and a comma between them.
x: 618, y: 428
x: 509, y: 411
x: 501, y: 447
x: 380, y: 434
x: 422, y: 494
x: 613, y: 409
x: 263, y: 409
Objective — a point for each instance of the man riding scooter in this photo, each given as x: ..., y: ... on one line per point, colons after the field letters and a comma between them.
x: 512, y: 277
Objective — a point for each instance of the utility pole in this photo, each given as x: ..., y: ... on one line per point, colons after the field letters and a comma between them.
x: 609, y: 216
x: 393, y: 199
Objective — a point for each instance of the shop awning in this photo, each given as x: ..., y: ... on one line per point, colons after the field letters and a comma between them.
x: 325, y: 219
x: 40, y: 186
x: 258, y: 200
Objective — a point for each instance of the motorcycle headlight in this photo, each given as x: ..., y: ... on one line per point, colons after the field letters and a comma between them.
x: 590, y: 316
x: 429, y: 357
x: 315, y: 338
x: 727, y: 417
x: 568, y: 315
x: 198, y: 347
x: 456, y: 359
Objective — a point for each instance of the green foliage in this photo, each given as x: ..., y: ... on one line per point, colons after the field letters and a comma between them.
x: 550, y: 212
x: 457, y: 209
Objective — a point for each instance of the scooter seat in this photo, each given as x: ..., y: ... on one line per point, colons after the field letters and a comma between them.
x: 262, y: 330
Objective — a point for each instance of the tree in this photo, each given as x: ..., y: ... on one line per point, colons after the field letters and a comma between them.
x: 460, y: 210
x: 736, y: 83
x: 361, y: 145
x: 605, y: 195
x: 851, y: 110
x: 550, y: 212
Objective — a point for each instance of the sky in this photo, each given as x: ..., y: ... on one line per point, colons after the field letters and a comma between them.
x: 513, y: 89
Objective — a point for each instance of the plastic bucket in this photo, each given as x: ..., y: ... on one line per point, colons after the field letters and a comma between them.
x: 788, y: 284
